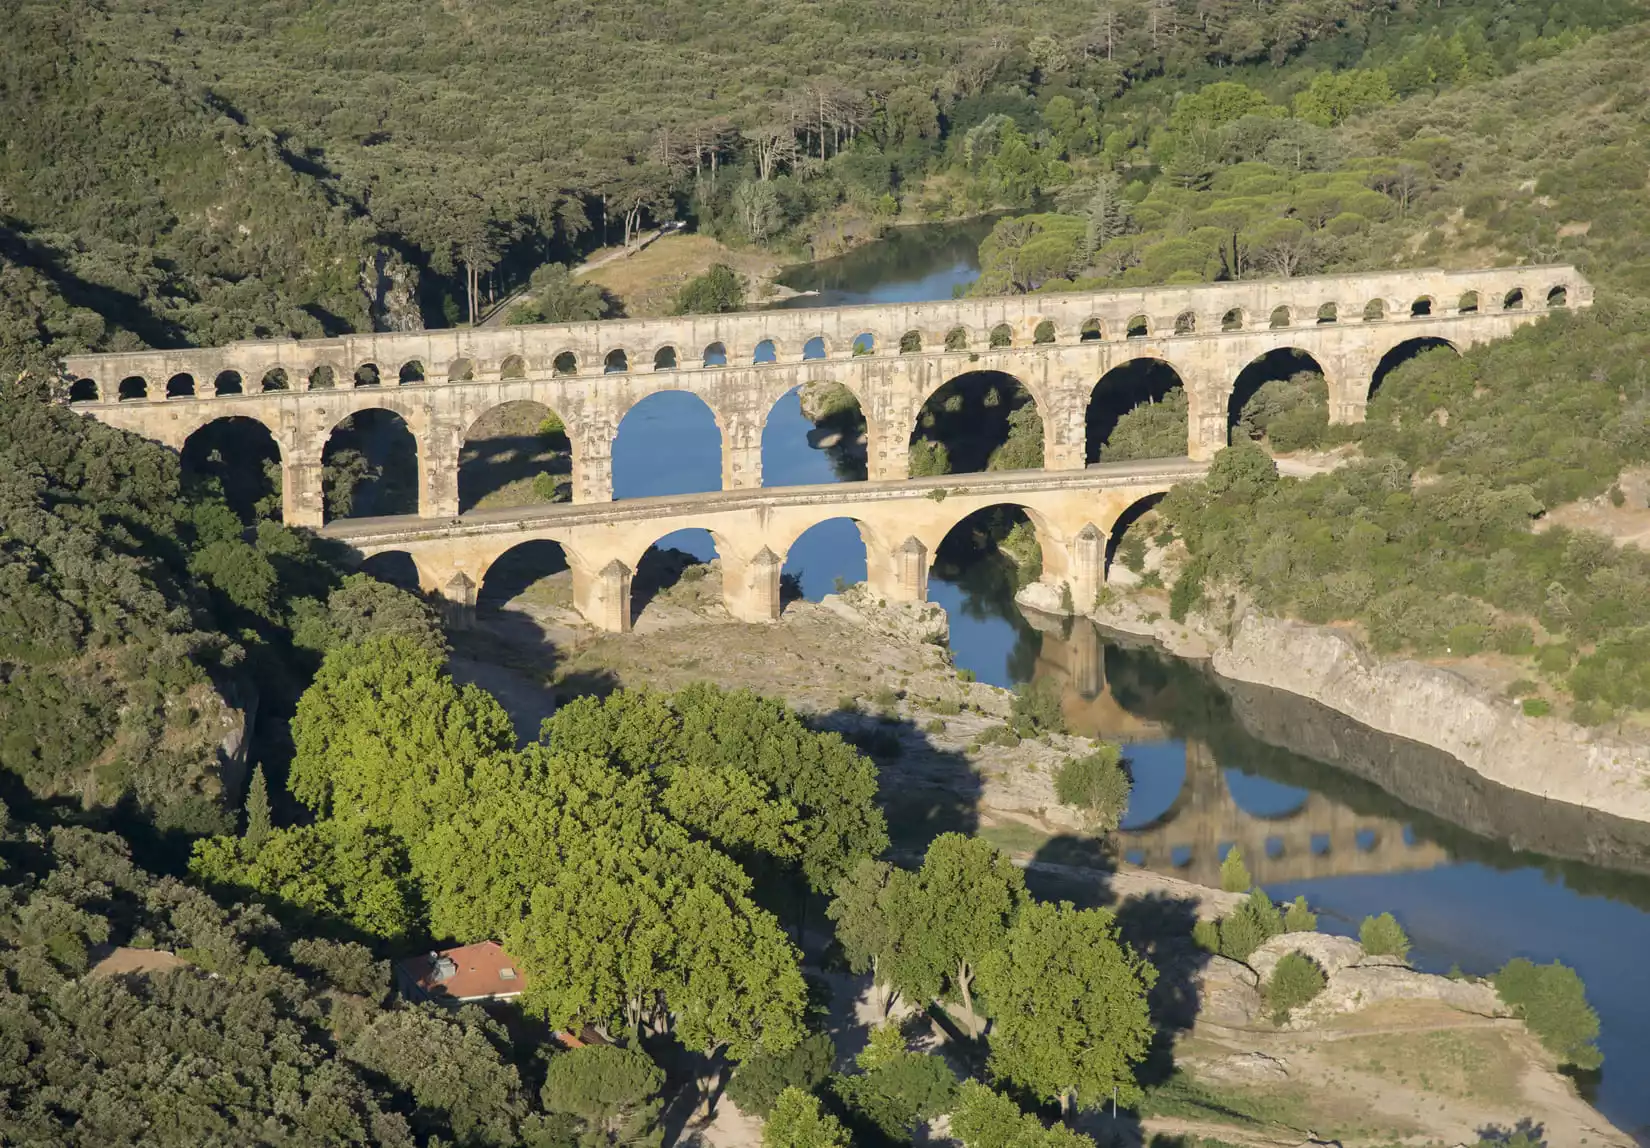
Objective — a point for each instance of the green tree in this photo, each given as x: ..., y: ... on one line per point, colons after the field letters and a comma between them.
x: 867, y: 911
x: 258, y: 823
x: 895, y: 1094
x: 614, y: 1091
x: 1383, y: 937
x: 1334, y: 97
x: 1298, y: 918
x: 798, y: 1122
x: 983, y: 1118
x: 1097, y: 784
x: 1068, y: 1001
x: 1234, y: 874
x: 1295, y: 981
x: 718, y: 290
x: 1553, y: 1002
x: 363, y: 608
x: 556, y: 295
x: 758, y: 1080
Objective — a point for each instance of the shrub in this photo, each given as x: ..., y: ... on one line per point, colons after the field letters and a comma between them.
x: 1248, y: 927
x: 1552, y: 1000
x: 1383, y: 937
x: 1206, y: 935
x: 1537, y: 707
x: 1186, y: 594
x: 1234, y: 874
x: 757, y: 1082
x: 1296, y: 980
x: 1131, y: 552
x: 797, y: 1122
x: 1097, y: 784
x: 1036, y: 708
x: 1298, y: 918
x: 899, y: 1091
x: 999, y: 735
x: 933, y: 726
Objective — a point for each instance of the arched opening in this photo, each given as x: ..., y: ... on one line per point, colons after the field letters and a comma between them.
x: 616, y: 362
x: 825, y: 559
x: 865, y: 343
x: 1375, y: 310
x: 1403, y: 353
x: 978, y: 567
x: 1139, y: 327
x: 668, y: 443
x: 1558, y: 297
x: 1002, y: 335
x: 981, y: 420
x: 1132, y: 552
x: 678, y: 572
x: 1328, y: 313
x: 395, y: 567
x: 1043, y: 333
x: 133, y: 387
x: 956, y: 339
x: 1514, y: 300
x: 532, y: 577
x: 1232, y: 320
x: 516, y: 454
x: 180, y: 386
x: 366, y: 375
x: 461, y: 371
x: 1185, y: 323
x: 1282, y: 399
x: 412, y: 372
x: 1421, y: 307
x: 1280, y: 318
x: 514, y: 367
x: 815, y: 433
x: 566, y: 363
x: 664, y: 359
x: 1468, y: 304
x: 322, y: 378
x: 1136, y: 410
x: 275, y: 379
x: 765, y: 352
x: 814, y: 348
x: 716, y: 355
x: 238, y: 459
x: 83, y: 391
x: 227, y: 383
x: 369, y: 468
x: 1091, y: 331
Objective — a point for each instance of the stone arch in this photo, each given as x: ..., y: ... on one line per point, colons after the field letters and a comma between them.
x: 767, y: 351
x: 664, y: 359
x: 1375, y: 311
x: 1092, y: 331
x: 514, y: 453
x: 616, y: 362
x: 839, y: 436
x: 956, y: 339
x: 461, y: 370
x: 323, y: 378
x: 132, y: 387
x: 834, y: 549
x: 1002, y: 335
x: 370, y: 465
x: 669, y: 561
x: 1051, y: 563
x: 397, y: 567
x: 668, y: 442
x: 716, y: 355
x: 538, y: 565
x: 227, y: 383
x: 233, y: 451
x: 1143, y: 381
x: 1421, y: 308
x: 1558, y: 296
x: 1117, y: 530
x: 1401, y: 353
x: 911, y: 342
x: 1328, y: 313
x: 1513, y: 300
x: 1281, y: 317
x: 275, y: 379
x: 565, y: 363
x: 962, y: 423
x: 513, y: 367
x: 366, y: 375
x: 815, y: 348
x: 411, y: 373
x: 84, y: 390
x: 1138, y: 327
x: 1043, y: 333
x: 1467, y: 304
x: 1277, y: 365
x: 1232, y: 320
x: 181, y: 386
x: 864, y: 343
x: 1185, y: 323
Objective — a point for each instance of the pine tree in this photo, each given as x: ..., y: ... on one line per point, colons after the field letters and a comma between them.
x: 1234, y: 874
x: 258, y: 823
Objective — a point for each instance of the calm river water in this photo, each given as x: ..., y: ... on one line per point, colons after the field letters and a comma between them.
x: 1358, y: 822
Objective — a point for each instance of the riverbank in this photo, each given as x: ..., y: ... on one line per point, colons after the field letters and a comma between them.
x: 1547, y: 757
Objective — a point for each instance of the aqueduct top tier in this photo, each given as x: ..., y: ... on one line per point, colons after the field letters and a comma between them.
x: 893, y: 357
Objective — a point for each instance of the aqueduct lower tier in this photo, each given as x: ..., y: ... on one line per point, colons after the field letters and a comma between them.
x: 902, y: 524
x: 893, y: 358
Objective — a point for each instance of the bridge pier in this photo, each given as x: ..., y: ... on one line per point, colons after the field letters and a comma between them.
x: 603, y: 598
x: 750, y: 589
x: 303, y: 499
x: 1088, y: 566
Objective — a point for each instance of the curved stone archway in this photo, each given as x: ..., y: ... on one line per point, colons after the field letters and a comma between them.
x: 668, y: 442
x: 241, y: 456
x: 975, y: 421
x: 515, y: 453
x: 1126, y: 399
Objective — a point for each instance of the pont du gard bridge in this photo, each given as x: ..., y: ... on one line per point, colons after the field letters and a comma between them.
x: 893, y: 358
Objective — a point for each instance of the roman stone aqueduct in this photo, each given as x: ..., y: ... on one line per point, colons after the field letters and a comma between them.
x: 892, y: 357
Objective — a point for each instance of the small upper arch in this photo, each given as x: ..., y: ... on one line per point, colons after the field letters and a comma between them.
x: 1421, y: 308
x: 132, y: 387
x: 323, y: 378
x: 227, y: 383
x: 910, y: 342
x: 275, y: 379
x: 565, y: 363
x: 616, y: 362
x: 767, y: 351
x: 181, y: 386
x: 1002, y: 335
x: 1513, y: 300
x: 716, y: 355
x: 1043, y: 333
x: 1092, y: 331
x: 815, y: 348
x: 956, y: 339
x: 84, y: 391
x: 1185, y: 323
x: 865, y: 343
x: 412, y: 372
x: 1139, y: 327
x: 1329, y: 313
x: 1375, y: 310
x: 1558, y: 296
x: 1281, y: 317
x: 366, y: 375
x: 664, y: 359
x: 461, y: 370
x: 513, y: 367
x: 1232, y: 320
x: 1468, y: 303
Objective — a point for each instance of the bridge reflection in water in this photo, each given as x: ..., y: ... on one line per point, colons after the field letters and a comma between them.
x: 1317, y: 837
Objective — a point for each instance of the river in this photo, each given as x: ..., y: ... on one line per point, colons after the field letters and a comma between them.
x: 1390, y: 826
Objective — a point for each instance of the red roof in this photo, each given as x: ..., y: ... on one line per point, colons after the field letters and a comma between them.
x: 483, y: 971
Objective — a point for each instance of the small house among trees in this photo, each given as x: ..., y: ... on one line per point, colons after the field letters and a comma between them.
x: 465, y: 975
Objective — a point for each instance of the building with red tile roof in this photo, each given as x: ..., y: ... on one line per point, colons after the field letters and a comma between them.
x: 469, y: 973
